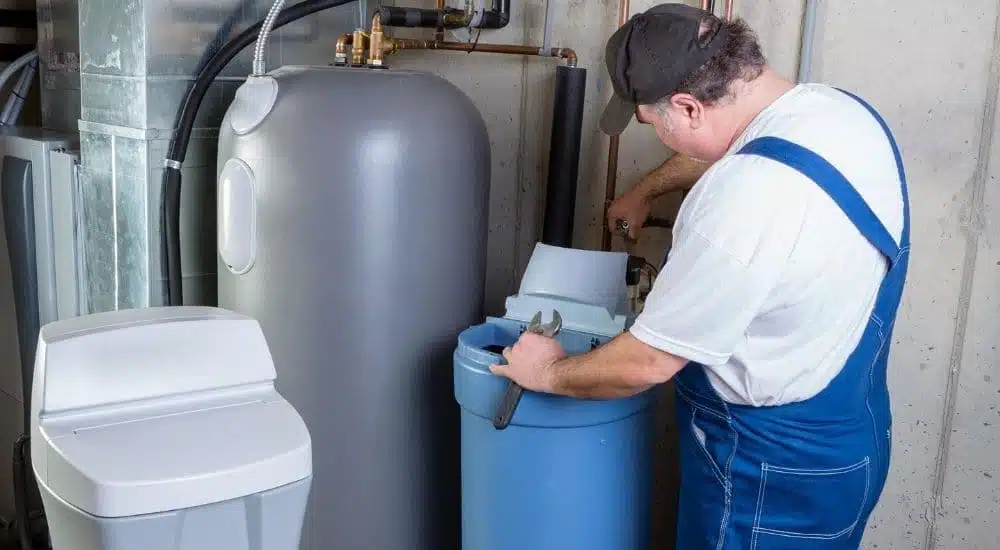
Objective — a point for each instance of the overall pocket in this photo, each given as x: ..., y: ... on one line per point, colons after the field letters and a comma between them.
x: 810, y: 508
x: 706, y: 450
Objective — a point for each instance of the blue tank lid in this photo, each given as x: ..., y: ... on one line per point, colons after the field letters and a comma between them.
x: 479, y: 391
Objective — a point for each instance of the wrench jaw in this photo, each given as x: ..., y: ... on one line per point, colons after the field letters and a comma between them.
x: 535, y: 322
x: 549, y: 329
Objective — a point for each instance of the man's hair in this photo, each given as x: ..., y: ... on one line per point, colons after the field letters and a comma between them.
x: 741, y: 59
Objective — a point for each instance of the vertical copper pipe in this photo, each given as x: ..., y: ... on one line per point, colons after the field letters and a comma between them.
x: 611, y: 183
x: 729, y: 10
x: 439, y: 32
x: 707, y: 5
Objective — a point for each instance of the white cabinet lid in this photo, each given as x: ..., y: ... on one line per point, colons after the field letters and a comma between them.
x: 179, y: 461
x: 143, y: 411
x: 129, y: 356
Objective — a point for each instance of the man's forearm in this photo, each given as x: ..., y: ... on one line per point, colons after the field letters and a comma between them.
x: 677, y: 173
x: 620, y: 368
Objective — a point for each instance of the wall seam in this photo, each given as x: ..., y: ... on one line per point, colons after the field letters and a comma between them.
x: 972, y: 235
x: 114, y: 222
x: 520, y: 194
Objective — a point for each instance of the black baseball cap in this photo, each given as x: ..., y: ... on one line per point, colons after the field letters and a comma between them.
x: 653, y: 54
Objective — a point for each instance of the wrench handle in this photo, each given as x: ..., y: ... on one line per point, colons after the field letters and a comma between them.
x: 508, y: 404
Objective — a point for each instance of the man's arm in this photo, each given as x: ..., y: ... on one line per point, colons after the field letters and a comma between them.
x: 678, y: 173
x: 621, y: 368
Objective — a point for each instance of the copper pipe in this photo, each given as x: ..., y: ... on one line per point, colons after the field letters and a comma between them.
x: 611, y: 183
x: 398, y: 44
x: 729, y: 10
x: 439, y: 32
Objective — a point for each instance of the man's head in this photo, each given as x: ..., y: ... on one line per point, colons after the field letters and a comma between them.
x: 678, y: 68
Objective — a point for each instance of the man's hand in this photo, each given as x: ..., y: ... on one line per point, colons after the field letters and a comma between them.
x: 633, y: 207
x: 530, y: 362
x: 677, y: 173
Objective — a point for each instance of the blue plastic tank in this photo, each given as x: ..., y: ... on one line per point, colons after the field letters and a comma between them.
x: 566, y: 474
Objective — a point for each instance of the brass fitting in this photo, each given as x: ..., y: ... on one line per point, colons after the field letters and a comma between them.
x: 376, y: 41
x: 372, y: 47
x: 343, y: 41
x: 359, y: 43
x: 462, y: 19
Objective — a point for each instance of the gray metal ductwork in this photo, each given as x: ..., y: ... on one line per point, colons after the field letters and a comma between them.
x: 59, y: 63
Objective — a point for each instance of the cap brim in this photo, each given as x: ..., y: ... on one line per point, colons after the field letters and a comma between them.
x: 617, y: 116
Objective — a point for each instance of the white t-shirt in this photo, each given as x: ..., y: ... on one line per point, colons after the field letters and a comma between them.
x: 768, y: 283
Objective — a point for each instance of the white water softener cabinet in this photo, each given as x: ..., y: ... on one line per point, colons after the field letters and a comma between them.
x: 160, y: 429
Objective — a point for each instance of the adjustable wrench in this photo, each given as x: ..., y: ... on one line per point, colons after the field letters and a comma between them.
x: 511, y: 397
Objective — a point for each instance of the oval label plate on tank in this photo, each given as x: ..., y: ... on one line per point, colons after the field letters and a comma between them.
x: 237, y: 217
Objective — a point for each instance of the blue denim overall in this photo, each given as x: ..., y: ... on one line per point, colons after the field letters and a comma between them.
x: 807, y: 474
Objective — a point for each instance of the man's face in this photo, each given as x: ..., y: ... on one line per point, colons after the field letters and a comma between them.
x: 683, y: 126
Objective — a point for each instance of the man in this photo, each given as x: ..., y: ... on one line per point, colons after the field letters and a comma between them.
x: 774, y: 311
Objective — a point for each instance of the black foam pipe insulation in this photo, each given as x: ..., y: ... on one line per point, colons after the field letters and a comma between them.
x: 170, y: 193
x: 496, y: 17
x: 396, y: 16
x: 564, y: 156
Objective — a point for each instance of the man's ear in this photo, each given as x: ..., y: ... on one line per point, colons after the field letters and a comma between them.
x: 692, y: 109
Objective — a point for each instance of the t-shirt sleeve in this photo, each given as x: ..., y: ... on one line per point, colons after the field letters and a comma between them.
x: 732, y: 241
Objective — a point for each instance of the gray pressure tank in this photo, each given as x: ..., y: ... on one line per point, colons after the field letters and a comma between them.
x: 352, y: 216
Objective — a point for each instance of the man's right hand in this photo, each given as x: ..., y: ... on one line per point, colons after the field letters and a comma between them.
x: 633, y: 207
x: 677, y: 173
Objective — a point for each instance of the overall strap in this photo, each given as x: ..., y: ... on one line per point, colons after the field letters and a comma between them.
x: 830, y: 180
x: 905, y: 240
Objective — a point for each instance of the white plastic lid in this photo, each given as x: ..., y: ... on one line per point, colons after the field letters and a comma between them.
x: 593, y: 300
x: 598, y: 277
x: 145, y: 411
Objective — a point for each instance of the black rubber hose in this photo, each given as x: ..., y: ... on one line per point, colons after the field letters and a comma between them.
x: 170, y: 237
x: 20, y: 493
x: 564, y: 156
x: 170, y: 194
x: 222, y: 35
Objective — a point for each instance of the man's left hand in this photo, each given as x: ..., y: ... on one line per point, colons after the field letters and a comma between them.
x: 531, y: 362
